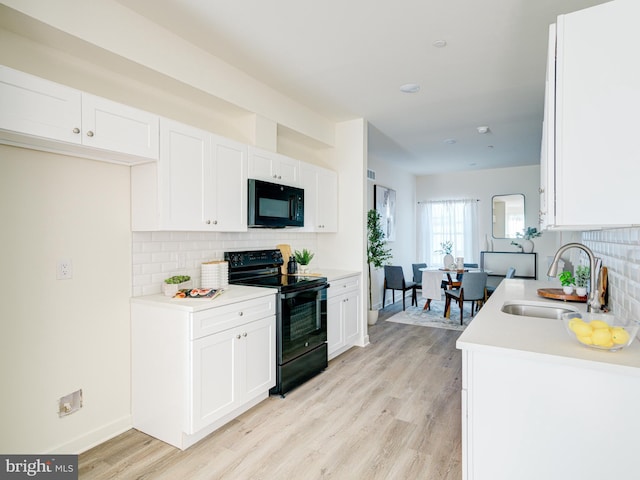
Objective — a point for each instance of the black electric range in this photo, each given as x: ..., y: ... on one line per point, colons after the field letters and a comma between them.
x: 301, y: 314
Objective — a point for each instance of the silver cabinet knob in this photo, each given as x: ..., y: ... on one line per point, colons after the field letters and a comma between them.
x: 241, y: 313
x: 89, y: 133
x: 238, y: 336
x: 215, y: 222
x: 76, y: 130
x: 541, y: 190
x: 244, y: 334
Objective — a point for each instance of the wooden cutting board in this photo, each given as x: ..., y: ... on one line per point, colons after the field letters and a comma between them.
x: 558, y: 294
x: 286, y: 253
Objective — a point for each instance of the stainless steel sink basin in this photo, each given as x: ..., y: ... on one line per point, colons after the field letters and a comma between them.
x: 537, y: 309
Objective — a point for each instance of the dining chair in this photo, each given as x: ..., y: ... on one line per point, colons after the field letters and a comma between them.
x: 511, y: 273
x: 417, y: 274
x: 471, y: 290
x: 394, y: 280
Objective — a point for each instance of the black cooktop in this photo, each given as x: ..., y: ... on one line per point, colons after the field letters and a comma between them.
x: 262, y: 268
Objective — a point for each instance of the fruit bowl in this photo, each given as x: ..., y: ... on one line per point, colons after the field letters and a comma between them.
x: 602, y: 331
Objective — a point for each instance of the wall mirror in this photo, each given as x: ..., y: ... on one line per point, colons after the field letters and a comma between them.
x: 508, y: 215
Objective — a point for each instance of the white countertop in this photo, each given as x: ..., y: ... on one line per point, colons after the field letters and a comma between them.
x: 491, y: 329
x: 232, y: 294
x: 334, y: 274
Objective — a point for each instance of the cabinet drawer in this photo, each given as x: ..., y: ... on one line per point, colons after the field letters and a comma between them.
x: 228, y: 316
x: 343, y: 285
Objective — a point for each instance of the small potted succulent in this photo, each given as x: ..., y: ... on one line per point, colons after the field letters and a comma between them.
x: 171, y: 285
x: 582, y: 280
x: 303, y: 259
x: 567, y: 281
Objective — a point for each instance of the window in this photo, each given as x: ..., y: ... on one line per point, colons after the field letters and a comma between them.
x: 448, y: 220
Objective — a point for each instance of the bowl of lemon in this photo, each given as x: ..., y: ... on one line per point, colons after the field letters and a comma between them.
x: 603, y: 331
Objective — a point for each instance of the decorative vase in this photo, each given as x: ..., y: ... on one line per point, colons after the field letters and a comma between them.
x: 568, y: 290
x: 527, y: 246
x: 448, y: 261
x: 372, y: 317
x: 581, y: 291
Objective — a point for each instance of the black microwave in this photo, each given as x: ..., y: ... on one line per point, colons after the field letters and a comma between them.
x: 272, y: 205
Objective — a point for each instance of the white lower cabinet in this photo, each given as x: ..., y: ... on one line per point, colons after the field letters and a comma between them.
x: 530, y: 417
x: 192, y: 372
x: 343, y: 315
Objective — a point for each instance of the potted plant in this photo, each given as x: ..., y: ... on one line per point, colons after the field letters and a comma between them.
x: 378, y: 254
x: 171, y: 285
x: 303, y: 258
x: 446, y: 248
x: 567, y: 281
x: 582, y: 280
x: 526, y: 245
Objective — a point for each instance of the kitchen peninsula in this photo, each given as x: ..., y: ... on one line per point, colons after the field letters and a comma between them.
x: 536, y: 404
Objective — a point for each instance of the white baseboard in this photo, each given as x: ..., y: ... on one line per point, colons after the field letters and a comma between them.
x: 95, y: 437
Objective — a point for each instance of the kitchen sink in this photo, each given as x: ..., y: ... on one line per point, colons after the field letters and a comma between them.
x: 537, y: 309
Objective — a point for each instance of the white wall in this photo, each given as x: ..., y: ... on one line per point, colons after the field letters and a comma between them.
x: 58, y: 336
x: 404, y: 247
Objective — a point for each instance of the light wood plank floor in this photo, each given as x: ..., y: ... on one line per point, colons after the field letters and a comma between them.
x: 388, y: 411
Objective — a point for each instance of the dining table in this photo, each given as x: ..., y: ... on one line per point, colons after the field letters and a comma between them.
x: 432, y: 281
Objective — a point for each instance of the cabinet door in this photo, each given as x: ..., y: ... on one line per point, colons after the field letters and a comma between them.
x: 351, y: 317
x: 327, y: 201
x: 35, y: 106
x: 225, y: 181
x: 184, y: 153
x: 308, y: 181
x: 119, y: 128
x: 335, y: 323
x: 214, y: 372
x: 259, y: 349
x: 597, y: 103
x: 273, y: 167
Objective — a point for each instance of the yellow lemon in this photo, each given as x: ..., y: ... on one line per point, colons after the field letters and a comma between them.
x: 575, y: 321
x: 598, y: 324
x: 582, y: 329
x: 619, y: 335
x: 586, y: 340
x: 602, y: 337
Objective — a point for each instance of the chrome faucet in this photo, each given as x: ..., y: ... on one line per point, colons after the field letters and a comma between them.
x: 595, y: 263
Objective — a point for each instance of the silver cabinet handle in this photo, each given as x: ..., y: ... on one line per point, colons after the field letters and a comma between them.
x: 76, y: 130
x: 241, y: 313
x: 541, y: 190
x: 89, y: 133
x: 238, y: 336
x: 244, y: 334
x: 215, y: 222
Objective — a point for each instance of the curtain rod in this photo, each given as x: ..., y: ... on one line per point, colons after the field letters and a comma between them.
x: 451, y: 200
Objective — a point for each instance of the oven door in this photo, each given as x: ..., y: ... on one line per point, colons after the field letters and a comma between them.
x: 303, y: 325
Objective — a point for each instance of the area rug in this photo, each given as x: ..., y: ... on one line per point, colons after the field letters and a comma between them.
x: 434, y: 317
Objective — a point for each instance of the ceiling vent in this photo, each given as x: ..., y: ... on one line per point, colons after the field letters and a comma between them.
x: 371, y: 175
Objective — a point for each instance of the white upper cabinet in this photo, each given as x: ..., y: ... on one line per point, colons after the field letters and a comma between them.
x: 199, y: 183
x: 40, y: 114
x: 597, y: 99
x: 119, y: 128
x: 273, y: 167
x: 320, y: 198
x: 34, y: 106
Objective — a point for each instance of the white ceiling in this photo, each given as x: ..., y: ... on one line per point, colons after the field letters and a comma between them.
x: 348, y: 58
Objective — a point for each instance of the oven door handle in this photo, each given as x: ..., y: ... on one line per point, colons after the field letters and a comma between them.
x: 306, y: 290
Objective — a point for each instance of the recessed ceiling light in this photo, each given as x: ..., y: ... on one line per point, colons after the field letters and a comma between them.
x: 440, y: 43
x: 410, y: 88
x: 450, y: 141
x: 483, y: 129
x: 473, y: 164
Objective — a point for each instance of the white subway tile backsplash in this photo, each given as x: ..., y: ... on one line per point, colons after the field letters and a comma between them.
x: 156, y: 255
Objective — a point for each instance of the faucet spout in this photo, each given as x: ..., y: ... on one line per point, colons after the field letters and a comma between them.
x: 595, y: 264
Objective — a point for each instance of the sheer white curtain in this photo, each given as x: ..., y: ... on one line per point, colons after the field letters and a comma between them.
x: 448, y: 220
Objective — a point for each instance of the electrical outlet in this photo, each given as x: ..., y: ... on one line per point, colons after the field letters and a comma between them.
x: 70, y: 403
x: 64, y: 270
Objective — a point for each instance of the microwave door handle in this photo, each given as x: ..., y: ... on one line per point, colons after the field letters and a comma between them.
x: 292, y: 213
